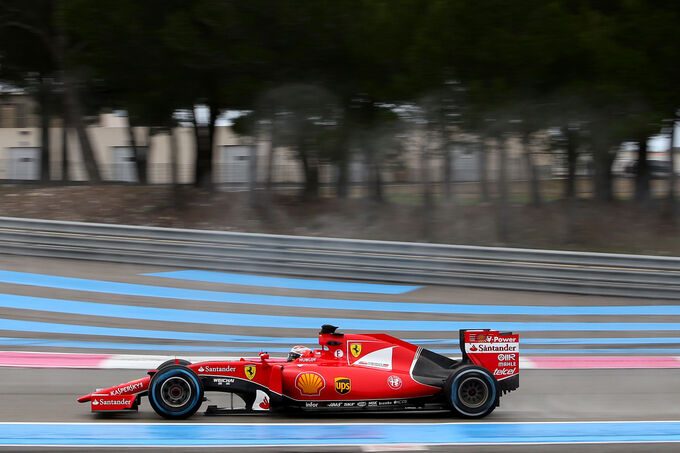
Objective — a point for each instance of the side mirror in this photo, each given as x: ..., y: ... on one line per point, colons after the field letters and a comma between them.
x: 264, y: 356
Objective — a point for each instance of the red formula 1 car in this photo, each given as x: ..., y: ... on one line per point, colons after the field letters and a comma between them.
x: 349, y: 372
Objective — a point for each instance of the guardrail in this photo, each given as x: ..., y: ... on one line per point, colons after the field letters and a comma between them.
x: 405, y: 262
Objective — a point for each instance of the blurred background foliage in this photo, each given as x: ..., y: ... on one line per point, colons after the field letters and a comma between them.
x: 323, y: 77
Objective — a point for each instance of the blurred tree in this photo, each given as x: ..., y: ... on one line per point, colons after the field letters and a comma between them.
x: 124, y: 51
x: 26, y: 62
x: 44, y: 21
x: 302, y: 117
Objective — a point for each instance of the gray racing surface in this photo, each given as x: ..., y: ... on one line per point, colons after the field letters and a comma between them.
x: 48, y: 395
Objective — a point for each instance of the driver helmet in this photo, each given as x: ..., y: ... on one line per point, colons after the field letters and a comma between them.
x: 298, y: 351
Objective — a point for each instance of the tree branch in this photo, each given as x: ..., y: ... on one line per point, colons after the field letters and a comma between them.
x: 31, y: 29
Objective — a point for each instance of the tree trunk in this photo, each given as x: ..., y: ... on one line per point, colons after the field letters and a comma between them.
x: 603, y: 174
x: 671, y: 177
x: 571, y: 135
x: 269, y: 177
x: 44, y: 99
x: 310, y: 168
x: 205, y: 137
x: 376, y: 182
x: 503, y: 217
x: 74, y: 110
x: 483, y: 175
x: 252, y: 174
x: 532, y: 170
x: 448, y: 171
x: 342, y: 164
x: 425, y: 184
x: 139, y: 157
x: 174, y: 156
x: 64, y: 151
x: 270, y: 165
x: 642, y: 173
x: 342, y: 183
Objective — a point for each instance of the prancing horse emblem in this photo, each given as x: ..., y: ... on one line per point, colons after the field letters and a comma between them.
x: 250, y: 371
x: 355, y: 349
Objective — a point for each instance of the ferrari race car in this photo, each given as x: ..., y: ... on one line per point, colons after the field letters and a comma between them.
x: 350, y: 372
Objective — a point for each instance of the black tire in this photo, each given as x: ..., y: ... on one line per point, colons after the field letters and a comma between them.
x: 175, y: 392
x: 472, y: 391
x: 167, y: 363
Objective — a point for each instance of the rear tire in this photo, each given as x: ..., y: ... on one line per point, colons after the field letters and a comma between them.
x: 175, y: 392
x: 472, y: 391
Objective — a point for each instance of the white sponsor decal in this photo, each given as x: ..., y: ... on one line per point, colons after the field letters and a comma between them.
x: 382, y: 358
x: 103, y: 402
x: 223, y: 381
x: 504, y: 340
x: 502, y: 357
x: 334, y: 404
x: 394, y: 382
x: 493, y: 347
x: 310, y: 404
x: 127, y: 389
x: 261, y: 401
x: 208, y: 369
x: 505, y: 372
x: 338, y: 353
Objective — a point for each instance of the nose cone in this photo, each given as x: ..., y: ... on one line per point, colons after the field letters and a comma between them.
x: 85, y: 398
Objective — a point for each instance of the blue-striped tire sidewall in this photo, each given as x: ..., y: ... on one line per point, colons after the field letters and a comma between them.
x: 184, y: 372
x: 492, y: 391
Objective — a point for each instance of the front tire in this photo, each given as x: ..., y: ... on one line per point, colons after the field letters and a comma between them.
x: 472, y: 391
x: 175, y: 392
x: 167, y: 363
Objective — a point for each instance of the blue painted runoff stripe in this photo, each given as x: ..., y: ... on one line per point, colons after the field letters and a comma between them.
x: 18, y: 325
x: 288, y: 283
x: 270, y: 321
x: 129, y: 289
x: 318, y: 434
x: 72, y: 344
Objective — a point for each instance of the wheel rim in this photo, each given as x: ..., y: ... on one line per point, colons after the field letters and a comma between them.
x: 473, y: 392
x: 176, y: 391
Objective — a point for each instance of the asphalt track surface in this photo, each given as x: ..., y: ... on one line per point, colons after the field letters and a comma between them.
x: 48, y: 395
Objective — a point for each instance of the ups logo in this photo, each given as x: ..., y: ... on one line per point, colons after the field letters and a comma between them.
x: 343, y: 385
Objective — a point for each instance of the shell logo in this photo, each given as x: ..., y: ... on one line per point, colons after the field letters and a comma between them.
x: 310, y: 383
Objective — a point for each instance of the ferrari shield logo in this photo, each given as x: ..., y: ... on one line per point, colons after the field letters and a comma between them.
x: 355, y: 349
x: 250, y: 371
x: 343, y: 385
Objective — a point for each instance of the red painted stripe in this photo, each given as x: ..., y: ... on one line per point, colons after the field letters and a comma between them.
x: 51, y: 360
x: 551, y: 363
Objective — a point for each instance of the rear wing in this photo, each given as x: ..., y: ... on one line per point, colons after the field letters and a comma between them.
x: 496, y: 351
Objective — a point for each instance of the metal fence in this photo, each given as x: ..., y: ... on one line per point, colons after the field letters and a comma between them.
x: 416, y: 263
